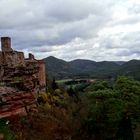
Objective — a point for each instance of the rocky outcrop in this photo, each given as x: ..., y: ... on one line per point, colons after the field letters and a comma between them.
x: 13, y: 102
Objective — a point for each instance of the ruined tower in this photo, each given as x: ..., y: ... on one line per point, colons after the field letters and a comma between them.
x: 41, y: 74
x: 6, y: 44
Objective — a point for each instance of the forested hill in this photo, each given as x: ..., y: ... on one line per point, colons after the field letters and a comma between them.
x: 81, y: 68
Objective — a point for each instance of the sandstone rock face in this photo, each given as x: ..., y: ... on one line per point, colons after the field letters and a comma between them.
x: 20, y: 80
x: 13, y: 102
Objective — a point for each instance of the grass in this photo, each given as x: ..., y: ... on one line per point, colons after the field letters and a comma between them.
x: 63, y: 81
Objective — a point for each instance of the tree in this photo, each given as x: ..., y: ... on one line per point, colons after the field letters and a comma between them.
x: 54, y: 85
x: 125, y: 131
x: 107, y: 105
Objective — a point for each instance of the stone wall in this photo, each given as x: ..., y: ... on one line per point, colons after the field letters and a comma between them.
x: 41, y: 73
x: 1, y: 58
x: 14, y: 58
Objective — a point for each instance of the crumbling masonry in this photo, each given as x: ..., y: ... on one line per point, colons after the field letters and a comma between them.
x: 20, y: 80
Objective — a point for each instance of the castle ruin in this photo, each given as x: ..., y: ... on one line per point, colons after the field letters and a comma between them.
x: 20, y: 80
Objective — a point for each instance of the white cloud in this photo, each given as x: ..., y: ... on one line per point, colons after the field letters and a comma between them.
x: 69, y: 29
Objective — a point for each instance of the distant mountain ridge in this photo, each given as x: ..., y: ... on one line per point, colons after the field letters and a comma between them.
x: 61, y: 69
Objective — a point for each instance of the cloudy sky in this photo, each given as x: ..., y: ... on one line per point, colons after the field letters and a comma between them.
x: 71, y: 29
